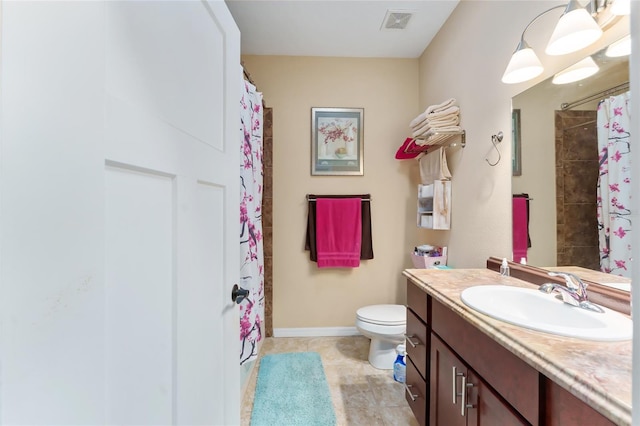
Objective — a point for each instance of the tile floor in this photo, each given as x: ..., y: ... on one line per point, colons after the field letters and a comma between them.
x: 361, y: 394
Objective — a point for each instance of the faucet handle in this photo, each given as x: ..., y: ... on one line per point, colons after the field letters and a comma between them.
x: 573, y: 282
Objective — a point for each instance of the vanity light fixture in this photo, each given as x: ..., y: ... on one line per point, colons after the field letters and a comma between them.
x: 619, y: 48
x: 576, y: 72
x: 524, y: 63
x: 576, y: 29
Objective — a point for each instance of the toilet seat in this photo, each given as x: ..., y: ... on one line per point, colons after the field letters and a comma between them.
x: 384, y: 315
x: 385, y: 325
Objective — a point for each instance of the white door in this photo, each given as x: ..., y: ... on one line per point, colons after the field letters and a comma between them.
x: 119, y: 220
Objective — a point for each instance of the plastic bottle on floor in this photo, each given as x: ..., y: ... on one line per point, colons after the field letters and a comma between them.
x: 399, y: 366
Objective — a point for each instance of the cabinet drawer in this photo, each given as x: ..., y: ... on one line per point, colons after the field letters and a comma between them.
x: 417, y: 386
x: 515, y: 380
x: 417, y: 301
x: 417, y: 342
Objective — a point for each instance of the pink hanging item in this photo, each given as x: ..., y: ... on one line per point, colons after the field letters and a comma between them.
x: 338, y: 232
x: 520, y: 228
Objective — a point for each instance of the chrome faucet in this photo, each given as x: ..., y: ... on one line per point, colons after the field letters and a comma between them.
x: 575, y: 292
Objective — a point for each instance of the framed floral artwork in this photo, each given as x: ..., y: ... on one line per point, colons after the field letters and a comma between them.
x: 337, y: 141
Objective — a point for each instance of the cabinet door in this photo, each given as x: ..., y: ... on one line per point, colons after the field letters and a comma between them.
x: 447, y: 372
x: 486, y: 408
x: 460, y: 397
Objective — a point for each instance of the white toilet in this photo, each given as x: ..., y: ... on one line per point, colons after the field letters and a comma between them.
x: 385, y: 325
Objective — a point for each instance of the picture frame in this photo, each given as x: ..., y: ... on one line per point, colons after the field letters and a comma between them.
x: 516, y: 147
x: 337, y: 141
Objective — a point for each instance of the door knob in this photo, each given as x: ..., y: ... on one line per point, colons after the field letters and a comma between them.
x: 238, y: 294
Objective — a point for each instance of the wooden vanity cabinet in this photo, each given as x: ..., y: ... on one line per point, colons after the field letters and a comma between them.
x: 517, y: 383
x: 459, y: 396
x: 479, y: 358
x: 500, y: 388
x: 418, y: 338
x: 564, y: 409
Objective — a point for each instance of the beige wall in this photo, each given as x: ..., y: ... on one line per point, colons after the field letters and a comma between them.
x: 303, y: 295
x: 466, y: 61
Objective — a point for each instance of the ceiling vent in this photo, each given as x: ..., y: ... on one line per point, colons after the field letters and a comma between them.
x: 396, y: 20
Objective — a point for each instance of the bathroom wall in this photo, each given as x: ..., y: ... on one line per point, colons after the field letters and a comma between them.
x: 466, y: 61
x: 303, y: 295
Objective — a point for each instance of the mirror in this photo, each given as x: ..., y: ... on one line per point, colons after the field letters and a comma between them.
x: 557, y: 167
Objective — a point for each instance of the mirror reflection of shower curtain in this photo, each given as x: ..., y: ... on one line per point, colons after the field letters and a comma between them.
x: 251, y: 246
x: 614, y: 191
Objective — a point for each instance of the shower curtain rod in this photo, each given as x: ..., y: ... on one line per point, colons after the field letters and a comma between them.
x: 611, y: 91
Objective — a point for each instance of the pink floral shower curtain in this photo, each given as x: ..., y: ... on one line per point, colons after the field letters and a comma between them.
x: 251, y: 248
x: 614, y: 192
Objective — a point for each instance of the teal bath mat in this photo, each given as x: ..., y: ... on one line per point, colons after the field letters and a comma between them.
x: 292, y: 390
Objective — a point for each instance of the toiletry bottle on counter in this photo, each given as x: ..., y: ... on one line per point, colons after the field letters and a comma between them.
x: 504, y: 268
x: 399, y: 366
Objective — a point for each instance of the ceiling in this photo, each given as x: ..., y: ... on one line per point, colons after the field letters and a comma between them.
x: 343, y: 28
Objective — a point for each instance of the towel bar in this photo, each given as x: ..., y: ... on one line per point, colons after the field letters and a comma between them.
x: 363, y: 197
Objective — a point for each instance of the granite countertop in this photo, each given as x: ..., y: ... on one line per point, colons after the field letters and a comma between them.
x: 598, y: 373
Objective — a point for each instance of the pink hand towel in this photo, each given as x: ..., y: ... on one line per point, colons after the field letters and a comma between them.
x: 520, y: 231
x: 338, y: 232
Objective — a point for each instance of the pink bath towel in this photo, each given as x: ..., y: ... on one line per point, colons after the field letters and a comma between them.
x: 520, y: 228
x: 338, y: 232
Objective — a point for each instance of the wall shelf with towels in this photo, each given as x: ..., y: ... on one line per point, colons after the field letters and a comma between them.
x: 440, y: 138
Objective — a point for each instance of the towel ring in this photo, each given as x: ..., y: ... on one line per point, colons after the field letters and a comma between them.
x: 495, y: 140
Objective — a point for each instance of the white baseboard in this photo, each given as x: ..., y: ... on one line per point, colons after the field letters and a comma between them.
x: 316, y: 332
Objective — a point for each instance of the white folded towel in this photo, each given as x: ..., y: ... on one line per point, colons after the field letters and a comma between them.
x: 432, y: 109
x: 418, y: 120
x: 453, y: 120
x: 451, y: 110
x: 444, y: 105
x: 421, y: 130
x: 450, y: 120
x: 433, y: 166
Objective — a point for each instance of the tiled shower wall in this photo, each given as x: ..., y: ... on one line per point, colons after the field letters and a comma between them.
x: 267, y: 220
x: 576, y: 180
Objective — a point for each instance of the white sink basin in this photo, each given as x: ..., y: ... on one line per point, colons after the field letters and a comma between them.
x: 530, y: 308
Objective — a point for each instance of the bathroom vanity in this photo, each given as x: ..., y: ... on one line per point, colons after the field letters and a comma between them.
x: 467, y: 368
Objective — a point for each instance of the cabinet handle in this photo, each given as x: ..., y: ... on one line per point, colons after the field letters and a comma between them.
x: 463, y: 404
x: 454, y: 383
x: 411, y: 342
x: 407, y: 389
x: 465, y: 397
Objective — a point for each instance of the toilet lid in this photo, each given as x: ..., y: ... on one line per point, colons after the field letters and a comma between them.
x: 383, y: 314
